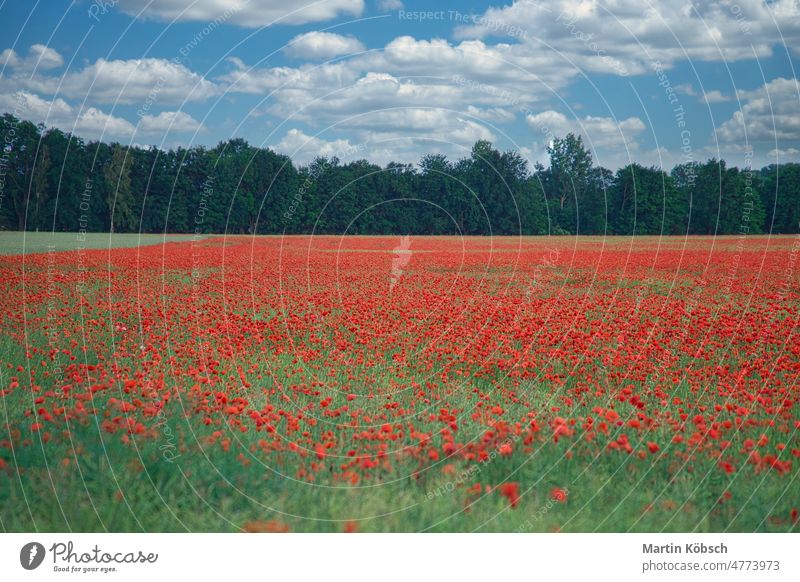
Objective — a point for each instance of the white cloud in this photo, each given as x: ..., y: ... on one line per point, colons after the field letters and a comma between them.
x: 177, y: 121
x: 304, y: 148
x: 88, y: 122
x: 248, y: 13
x: 407, y: 73
x: 599, y: 133
x: 769, y: 113
x: 781, y: 156
x: 626, y: 36
x: 135, y: 81
x: 379, y: 107
x: 431, y: 124
x: 715, y: 97
x: 322, y: 45
x: 711, y: 96
x: 418, y: 95
x: 387, y: 5
x: 91, y: 122
x: 39, y: 57
x: 306, y: 78
x: 376, y: 147
x: 493, y: 114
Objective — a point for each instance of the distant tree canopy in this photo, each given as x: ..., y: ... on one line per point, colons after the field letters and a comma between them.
x: 51, y: 180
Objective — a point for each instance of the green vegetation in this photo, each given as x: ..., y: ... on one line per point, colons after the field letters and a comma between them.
x: 54, y: 181
x: 15, y: 243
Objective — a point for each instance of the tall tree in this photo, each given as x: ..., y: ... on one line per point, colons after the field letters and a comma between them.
x: 567, y: 181
x: 119, y: 196
x: 54, y: 180
x: 645, y: 201
x: 17, y: 163
x: 780, y: 197
x: 39, y: 186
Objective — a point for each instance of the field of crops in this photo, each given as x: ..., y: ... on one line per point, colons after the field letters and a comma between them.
x: 403, y: 384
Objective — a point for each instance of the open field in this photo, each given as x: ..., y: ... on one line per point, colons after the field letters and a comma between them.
x: 402, y: 384
x: 15, y: 243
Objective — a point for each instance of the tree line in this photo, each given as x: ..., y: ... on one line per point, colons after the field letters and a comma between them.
x: 52, y: 180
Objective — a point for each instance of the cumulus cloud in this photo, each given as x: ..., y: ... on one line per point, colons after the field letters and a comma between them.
x: 710, y: 96
x: 92, y: 122
x: 379, y: 148
x: 304, y: 148
x: 715, y: 96
x: 39, y: 57
x: 781, y: 156
x: 600, y: 133
x: 322, y: 45
x: 88, y: 122
x: 686, y: 89
x: 133, y: 81
x: 769, y: 113
x: 407, y: 73
x: 136, y: 80
x: 625, y: 36
x: 387, y: 5
x: 248, y: 13
x: 177, y: 121
x: 447, y: 95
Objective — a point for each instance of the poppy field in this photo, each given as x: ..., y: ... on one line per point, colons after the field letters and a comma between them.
x: 361, y: 384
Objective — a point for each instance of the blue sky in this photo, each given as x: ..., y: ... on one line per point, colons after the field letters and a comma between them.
x: 658, y: 83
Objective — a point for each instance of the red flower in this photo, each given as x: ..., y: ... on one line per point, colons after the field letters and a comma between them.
x: 511, y: 492
x: 558, y: 494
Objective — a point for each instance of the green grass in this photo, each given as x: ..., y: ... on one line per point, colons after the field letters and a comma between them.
x: 120, y: 488
x: 174, y: 480
x: 16, y: 243
x: 196, y: 486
